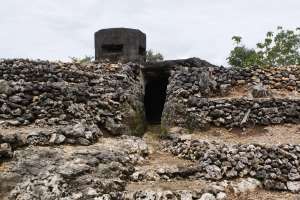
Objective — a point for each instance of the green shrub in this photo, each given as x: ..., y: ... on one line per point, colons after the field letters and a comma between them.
x: 85, y: 59
x: 153, y: 57
x: 277, y: 49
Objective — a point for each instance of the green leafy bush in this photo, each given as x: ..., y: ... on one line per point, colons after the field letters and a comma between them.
x: 277, y: 49
x: 85, y: 59
x: 153, y: 57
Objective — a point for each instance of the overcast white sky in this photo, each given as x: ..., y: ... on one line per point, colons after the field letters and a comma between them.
x: 58, y: 29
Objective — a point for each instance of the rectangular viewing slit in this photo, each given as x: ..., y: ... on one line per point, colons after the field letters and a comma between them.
x: 142, y: 51
x: 112, y: 48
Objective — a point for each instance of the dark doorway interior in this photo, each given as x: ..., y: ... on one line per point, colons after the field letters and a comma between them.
x: 154, y: 100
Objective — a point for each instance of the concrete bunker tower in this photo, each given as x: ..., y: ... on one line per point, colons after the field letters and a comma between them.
x: 120, y: 44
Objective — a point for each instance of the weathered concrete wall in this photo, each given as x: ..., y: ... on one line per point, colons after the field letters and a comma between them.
x: 120, y: 44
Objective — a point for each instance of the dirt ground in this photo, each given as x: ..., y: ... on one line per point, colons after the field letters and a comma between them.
x: 243, y: 91
x: 22, y: 131
x: 261, y: 194
x: 276, y: 134
x: 258, y: 194
x: 167, y: 185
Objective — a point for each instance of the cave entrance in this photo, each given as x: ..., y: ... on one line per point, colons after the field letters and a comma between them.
x: 155, y: 96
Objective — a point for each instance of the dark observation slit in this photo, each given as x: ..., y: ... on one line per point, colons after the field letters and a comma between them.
x: 112, y: 48
x: 142, y: 51
x: 154, y: 100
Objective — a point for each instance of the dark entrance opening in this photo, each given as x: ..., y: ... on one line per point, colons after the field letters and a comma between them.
x: 155, y: 96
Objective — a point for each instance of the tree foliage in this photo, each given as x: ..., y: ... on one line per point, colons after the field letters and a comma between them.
x: 153, y: 57
x: 85, y: 59
x: 277, y: 49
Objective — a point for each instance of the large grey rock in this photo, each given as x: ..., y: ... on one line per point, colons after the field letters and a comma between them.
x: 146, y: 195
x: 293, y: 186
x: 247, y: 185
x: 57, y: 139
x: 207, y: 196
x: 221, y: 196
x: 260, y: 91
x: 4, y: 87
x: 293, y: 176
x: 113, y: 127
x: 38, y: 138
x: 5, y: 151
x: 186, y: 195
x: 81, y: 133
x: 213, y: 172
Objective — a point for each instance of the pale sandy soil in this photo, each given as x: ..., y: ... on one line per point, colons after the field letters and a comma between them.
x: 261, y: 194
x: 167, y: 185
x: 244, y: 91
x: 276, y: 134
x: 198, y: 185
x: 22, y: 129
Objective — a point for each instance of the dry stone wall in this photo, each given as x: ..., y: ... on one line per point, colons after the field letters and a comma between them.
x: 277, y: 166
x: 55, y: 93
x: 199, y: 97
x: 274, y: 78
x: 55, y: 110
x: 110, y: 96
x: 203, y: 112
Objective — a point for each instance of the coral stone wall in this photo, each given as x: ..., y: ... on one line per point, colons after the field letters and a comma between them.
x: 110, y: 96
x: 277, y: 166
x: 274, y: 78
x: 197, y: 112
x: 203, y: 96
x: 55, y: 93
